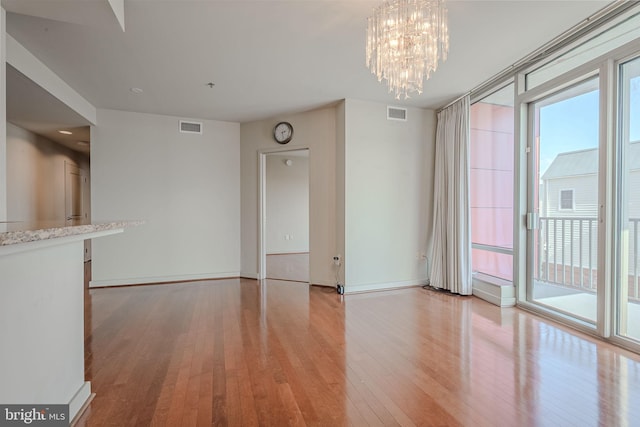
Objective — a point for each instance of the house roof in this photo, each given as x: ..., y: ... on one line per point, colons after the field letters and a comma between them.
x: 572, y: 163
x: 585, y: 162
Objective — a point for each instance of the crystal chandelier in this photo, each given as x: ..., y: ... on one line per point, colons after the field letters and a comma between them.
x: 405, y: 41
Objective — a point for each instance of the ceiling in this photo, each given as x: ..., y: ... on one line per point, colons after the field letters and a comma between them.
x: 265, y: 57
x: 31, y: 107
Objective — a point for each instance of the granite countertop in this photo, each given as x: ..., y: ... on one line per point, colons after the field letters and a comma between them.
x: 12, y: 233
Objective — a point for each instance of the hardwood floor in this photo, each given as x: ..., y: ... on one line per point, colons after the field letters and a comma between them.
x: 239, y: 352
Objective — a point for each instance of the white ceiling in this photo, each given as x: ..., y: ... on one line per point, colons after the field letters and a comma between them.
x: 265, y: 57
x: 31, y: 107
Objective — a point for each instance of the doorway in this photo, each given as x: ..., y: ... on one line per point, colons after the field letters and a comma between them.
x: 77, y: 202
x: 75, y: 185
x: 284, y: 210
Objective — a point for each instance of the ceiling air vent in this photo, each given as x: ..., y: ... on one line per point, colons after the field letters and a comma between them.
x: 395, y: 113
x: 190, y: 127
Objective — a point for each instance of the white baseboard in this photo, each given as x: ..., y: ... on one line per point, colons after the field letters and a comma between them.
x: 488, y: 297
x: 162, y: 279
x: 494, y: 291
x: 352, y: 289
x: 254, y: 276
x: 79, y: 401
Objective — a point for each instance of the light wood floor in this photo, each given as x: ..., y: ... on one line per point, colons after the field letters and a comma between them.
x: 239, y: 352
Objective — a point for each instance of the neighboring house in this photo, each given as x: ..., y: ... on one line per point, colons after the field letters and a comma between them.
x: 569, y: 208
x: 568, y: 185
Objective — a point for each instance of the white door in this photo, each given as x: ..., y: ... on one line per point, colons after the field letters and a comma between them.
x: 73, y: 194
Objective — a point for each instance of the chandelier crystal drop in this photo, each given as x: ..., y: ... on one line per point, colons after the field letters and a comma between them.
x: 406, y: 39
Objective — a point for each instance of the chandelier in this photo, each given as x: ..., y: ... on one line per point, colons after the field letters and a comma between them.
x: 405, y: 41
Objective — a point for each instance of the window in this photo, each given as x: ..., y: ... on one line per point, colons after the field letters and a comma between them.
x: 566, y: 199
x: 491, y: 159
x: 623, y: 32
x: 578, y: 115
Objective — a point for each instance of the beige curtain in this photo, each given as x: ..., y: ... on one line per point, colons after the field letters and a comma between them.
x: 451, y: 266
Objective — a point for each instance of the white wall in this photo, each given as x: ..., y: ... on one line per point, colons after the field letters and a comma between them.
x: 388, y: 196
x: 287, y: 204
x: 314, y: 130
x: 3, y: 117
x: 186, y: 187
x: 340, y: 188
x: 36, y: 176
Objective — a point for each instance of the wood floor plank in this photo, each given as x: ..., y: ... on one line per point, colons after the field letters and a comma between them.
x: 245, y: 353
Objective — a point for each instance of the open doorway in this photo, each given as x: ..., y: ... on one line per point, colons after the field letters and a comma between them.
x: 286, y: 215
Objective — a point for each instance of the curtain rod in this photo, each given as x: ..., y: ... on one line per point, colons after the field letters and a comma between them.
x: 598, y: 19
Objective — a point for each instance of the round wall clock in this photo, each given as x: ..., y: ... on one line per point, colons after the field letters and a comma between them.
x: 283, y: 132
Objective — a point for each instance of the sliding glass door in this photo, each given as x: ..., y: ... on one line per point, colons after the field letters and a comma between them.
x: 563, y: 201
x: 628, y: 202
x: 577, y: 193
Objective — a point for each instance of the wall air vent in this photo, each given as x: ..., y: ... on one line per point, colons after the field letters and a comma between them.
x: 395, y: 113
x: 190, y: 127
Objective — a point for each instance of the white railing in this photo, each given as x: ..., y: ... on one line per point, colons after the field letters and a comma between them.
x: 566, y: 253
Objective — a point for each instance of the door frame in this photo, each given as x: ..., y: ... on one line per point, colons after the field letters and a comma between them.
x: 524, y: 161
x: 71, y: 169
x: 262, y: 203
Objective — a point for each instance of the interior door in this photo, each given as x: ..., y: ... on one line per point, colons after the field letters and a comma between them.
x: 73, y: 194
x: 563, y: 202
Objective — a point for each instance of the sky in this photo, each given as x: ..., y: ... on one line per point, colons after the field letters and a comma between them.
x: 572, y: 124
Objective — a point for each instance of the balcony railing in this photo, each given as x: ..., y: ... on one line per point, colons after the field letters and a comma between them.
x: 566, y: 253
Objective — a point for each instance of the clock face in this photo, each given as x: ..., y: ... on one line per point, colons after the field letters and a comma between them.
x: 283, y: 132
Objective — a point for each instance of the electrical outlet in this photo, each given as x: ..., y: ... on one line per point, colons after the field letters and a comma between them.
x: 337, y: 260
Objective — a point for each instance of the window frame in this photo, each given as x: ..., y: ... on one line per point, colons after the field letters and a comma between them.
x: 479, y: 97
x: 573, y: 200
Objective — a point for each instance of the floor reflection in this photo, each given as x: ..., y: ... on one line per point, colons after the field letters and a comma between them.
x: 243, y: 352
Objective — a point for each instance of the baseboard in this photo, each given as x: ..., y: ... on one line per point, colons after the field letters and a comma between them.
x: 353, y: 289
x: 488, y: 297
x: 80, y: 401
x: 495, y: 291
x: 162, y: 279
x: 288, y: 253
x: 254, y: 276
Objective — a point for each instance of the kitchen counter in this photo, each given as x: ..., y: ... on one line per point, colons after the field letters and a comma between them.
x: 12, y: 233
x: 42, y: 312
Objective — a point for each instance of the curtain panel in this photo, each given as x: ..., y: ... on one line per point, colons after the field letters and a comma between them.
x: 451, y: 266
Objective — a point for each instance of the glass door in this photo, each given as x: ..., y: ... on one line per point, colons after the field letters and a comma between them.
x: 628, y: 202
x: 563, y: 202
